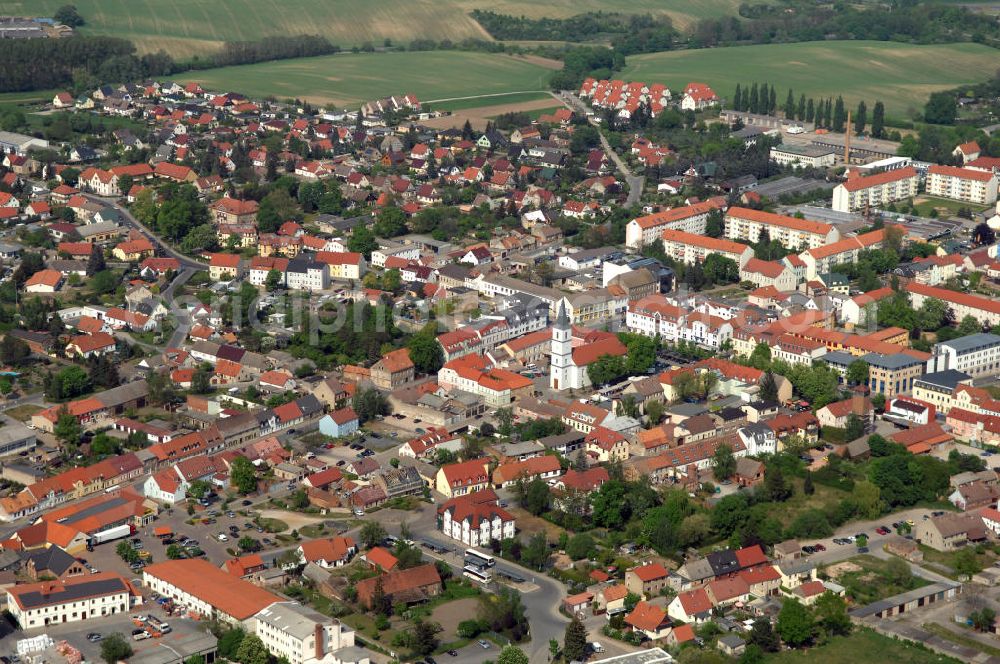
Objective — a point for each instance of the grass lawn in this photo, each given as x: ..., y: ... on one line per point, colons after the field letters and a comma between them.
x: 189, y: 27
x: 985, y: 556
x: 23, y: 413
x: 862, y: 647
x: 26, y: 97
x: 478, y: 102
x: 945, y: 207
x: 350, y: 79
x: 273, y: 525
x: 901, y: 75
x: 873, y: 583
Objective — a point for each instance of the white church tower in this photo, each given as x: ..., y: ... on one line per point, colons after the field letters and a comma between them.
x: 561, y: 363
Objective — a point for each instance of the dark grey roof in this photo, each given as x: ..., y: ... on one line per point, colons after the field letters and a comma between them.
x: 948, y: 379
x: 53, y: 560
x: 973, y: 342
x: 891, y: 362
x: 723, y: 562
x: 72, y: 591
x: 563, y: 439
x: 309, y: 405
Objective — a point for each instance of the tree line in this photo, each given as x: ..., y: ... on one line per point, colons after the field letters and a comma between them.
x: 83, y: 62
x: 629, y: 33
x: 828, y: 114
x: 900, y: 22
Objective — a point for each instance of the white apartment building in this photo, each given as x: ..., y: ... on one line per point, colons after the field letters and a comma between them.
x: 749, y: 225
x: 977, y: 355
x: 70, y: 600
x: 983, y: 309
x: 475, y: 523
x: 305, y: 274
x: 654, y: 316
x: 304, y: 636
x: 875, y: 190
x: 962, y: 184
x: 646, y: 230
x: 409, y: 252
x: 693, y: 248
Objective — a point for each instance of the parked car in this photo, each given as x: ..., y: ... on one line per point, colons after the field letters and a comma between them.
x: 485, y: 645
x: 819, y: 547
x: 94, y: 637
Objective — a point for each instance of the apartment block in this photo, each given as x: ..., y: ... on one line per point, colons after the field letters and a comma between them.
x: 962, y: 184
x: 876, y: 190
x: 750, y: 225
x: 693, y: 248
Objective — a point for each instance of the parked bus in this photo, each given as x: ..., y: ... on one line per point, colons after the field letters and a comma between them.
x: 479, y: 559
x: 480, y: 574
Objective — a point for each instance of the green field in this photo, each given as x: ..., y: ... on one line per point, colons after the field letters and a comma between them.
x: 184, y: 27
x: 862, y: 647
x: 901, y: 75
x: 349, y: 79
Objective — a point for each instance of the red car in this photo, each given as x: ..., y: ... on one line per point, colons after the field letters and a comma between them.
x: 819, y: 547
x: 882, y: 530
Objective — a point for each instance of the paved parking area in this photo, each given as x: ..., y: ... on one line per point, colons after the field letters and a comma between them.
x: 185, y: 634
x: 105, y: 558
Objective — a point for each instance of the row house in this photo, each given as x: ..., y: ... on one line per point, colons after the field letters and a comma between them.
x: 969, y: 185
x: 875, y: 191
x: 690, y: 248
x: 644, y: 231
x: 750, y: 225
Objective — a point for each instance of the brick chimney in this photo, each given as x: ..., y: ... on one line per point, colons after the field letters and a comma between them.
x: 318, y: 637
x: 859, y: 397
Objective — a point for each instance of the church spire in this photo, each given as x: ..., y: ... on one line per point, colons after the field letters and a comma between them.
x: 562, y: 320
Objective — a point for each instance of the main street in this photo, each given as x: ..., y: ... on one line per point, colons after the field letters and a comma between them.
x: 635, y: 182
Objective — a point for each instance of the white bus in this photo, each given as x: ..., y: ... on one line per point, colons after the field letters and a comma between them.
x: 479, y: 559
x: 480, y: 574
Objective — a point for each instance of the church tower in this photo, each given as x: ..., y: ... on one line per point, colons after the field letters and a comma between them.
x: 560, y: 364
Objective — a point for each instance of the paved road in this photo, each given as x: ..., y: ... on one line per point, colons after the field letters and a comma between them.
x: 181, y: 315
x: 541, y: 601
x: 165, y: 249
x: 635, y: 182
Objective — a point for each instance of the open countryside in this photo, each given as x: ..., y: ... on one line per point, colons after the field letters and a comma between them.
x: 186, y: 27
x: 901, y: 75
x: 349, y: 79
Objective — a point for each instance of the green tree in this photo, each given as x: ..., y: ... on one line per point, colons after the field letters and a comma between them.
x: 229, y: 642
x: 201, y: 381
x: 174, y: 552
x: 878, y: 120
x: 248, y: 544
x: 941, y: 108
x: 252, y: 651
x: 983, y: 620
x: 580, y: 546
x: 13, y: 351
x: 860, y: 118
x: 273, y: 280
x: 536, y: 552
x: 243, y: 475
x: 114, y: 648
x: 425, y: 639
x: 68, y: 15
x: 760, y: 358
x: 857, y: 372
x: 363, y: 241
x: 723, y: 462
x: 425, y: 351
x: 512, y: 655
x: 537, y: 497
x: 762, y: 634
x: 831, y: 614
x: 372, y: 534
x: 714, y: 224
x: 807, y: 486
x: 275, y: 209
x: 605, y: 370
x: 68, y: 429
x: 575, y: 641
x: 969, y: 325
x: 795, y: 624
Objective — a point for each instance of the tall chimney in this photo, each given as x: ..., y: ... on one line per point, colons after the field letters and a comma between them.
x: 847, y: 141
x: 858, y: 400
x: 318, y: 636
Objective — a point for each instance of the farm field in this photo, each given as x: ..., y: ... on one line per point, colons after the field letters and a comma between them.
x: 480, y: 116
x: 187, y: 27
x: 901, y: 75
x: 349, y: 79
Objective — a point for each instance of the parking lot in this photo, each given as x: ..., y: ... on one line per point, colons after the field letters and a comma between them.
x: 186, y: 636
x: 104, y: 557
